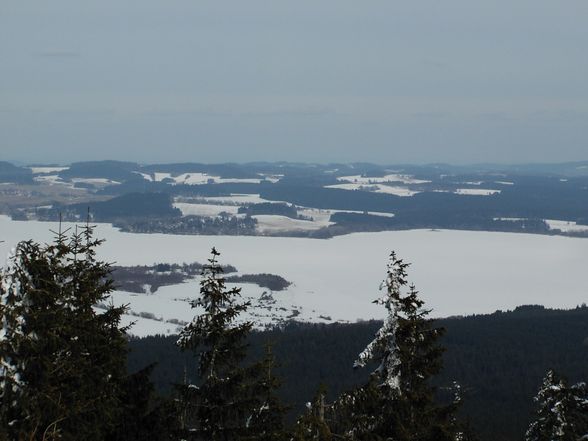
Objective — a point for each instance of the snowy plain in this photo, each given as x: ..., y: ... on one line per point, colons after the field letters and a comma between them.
x: 566, y: 226
x: 377, y: 188
x: 405, y: 179
x: 457, y: 272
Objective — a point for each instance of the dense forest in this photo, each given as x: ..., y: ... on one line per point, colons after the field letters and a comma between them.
x: 499, y: 359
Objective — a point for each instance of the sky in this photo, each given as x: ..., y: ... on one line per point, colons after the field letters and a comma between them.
x: 388, y: 81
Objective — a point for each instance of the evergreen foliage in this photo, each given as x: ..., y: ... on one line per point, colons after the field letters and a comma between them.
x: 267, y: 420
x: 499, y: 359
x: 231, y: 401
x: 144, y: 416
x: 562, y: 411
x: 398, y: 402
x: 313, y: 425
x: 62, y: 362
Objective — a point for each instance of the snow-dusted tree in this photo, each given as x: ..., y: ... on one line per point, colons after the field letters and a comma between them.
x: 220, y: 407
x: 562, y: 411
x: 61, y: 362
x: 398, y: 402
x: 579, y: 410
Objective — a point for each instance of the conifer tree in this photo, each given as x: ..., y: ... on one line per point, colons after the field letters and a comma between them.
x: 61, y: 361
x: 143, y: 415
x: 313, y: 425
x: 562, y: 411
x: 267, y: 419
x: 220, y: 407
x: 398, y: 402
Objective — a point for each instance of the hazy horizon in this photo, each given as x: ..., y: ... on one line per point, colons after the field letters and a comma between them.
x: 331, y: 81
x: 399, y: 164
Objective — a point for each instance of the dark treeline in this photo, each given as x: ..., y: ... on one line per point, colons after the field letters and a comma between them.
x: 499, y: 359
x: 127, y: 206
x: 220, y: 225
x: 270, y: 208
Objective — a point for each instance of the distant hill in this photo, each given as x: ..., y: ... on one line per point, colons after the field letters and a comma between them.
x: 112, y: 170
x: 236, y: 171
x: 17, y: 175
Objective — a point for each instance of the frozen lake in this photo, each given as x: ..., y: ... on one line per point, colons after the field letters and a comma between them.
x: 456, y: 272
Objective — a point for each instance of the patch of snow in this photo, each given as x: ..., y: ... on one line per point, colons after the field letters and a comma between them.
x: 237, y: 181
x: 99, y: 181
x: 566, y: 226
x: 145, y: 176
x: 476, y: 191
x: 198, y: 178
x: 318, y: 215
x: 158, y: 177
x: 50, y: 179
x: 405, y: 179
x: 373, y: 213
x: 208, y: 210
x: 193, y: 178
x: 142, y: 327
x: 236, y: 199
x: 270, y: 223
x: 41, y: 170
x: 398, y: 191
x: 166, y: 310
x: 271, y: 178
x: 376, y: 188
x: 323, y: 215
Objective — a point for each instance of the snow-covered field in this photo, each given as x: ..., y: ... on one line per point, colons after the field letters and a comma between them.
x: 379, y: 184
x: 377, y: 188
x: 266, y: 224
x: 270, y: 223
x: 405, y: 179
x: 476, y: 191
x: 39, y: 170
x: 457, y: 272
x: 210, y: 210
x: 99, y: 181
x: 561, y: 225
x: 322, y: 215
x: 197, y: 178
x: 50, y: 180
x: 235, y: 199
x: 566, y: 226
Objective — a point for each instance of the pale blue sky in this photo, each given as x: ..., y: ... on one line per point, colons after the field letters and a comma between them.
x: 335, y: 80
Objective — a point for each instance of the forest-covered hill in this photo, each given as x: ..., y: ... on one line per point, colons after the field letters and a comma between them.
x: 499, y: 359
